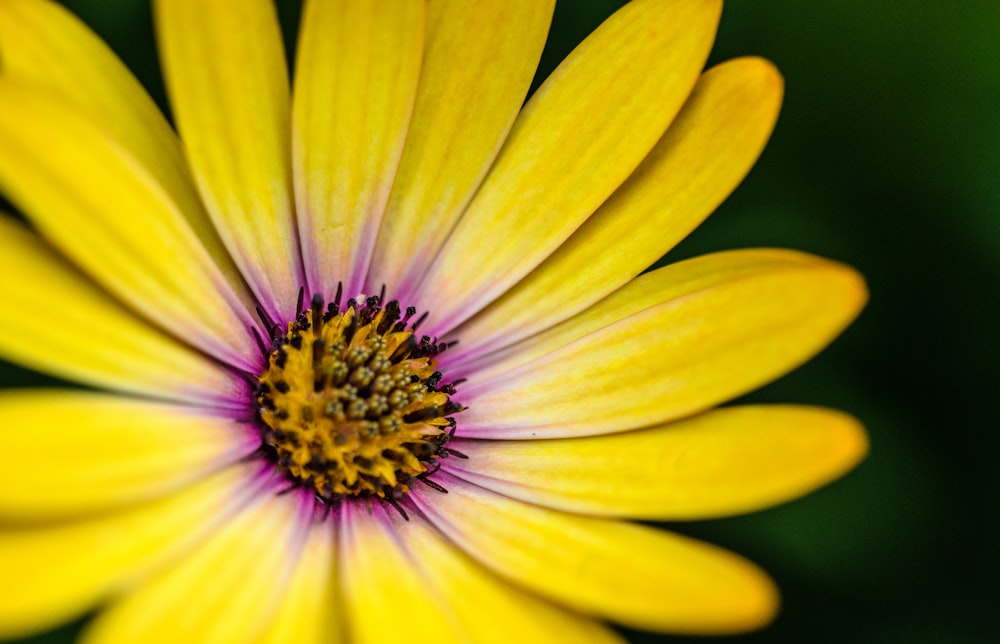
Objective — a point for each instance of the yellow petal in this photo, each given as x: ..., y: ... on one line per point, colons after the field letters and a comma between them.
x: 578, y: 138
x: 703, y: 156
x: 225, y: 72
x: 474, y: 80
x: 223, y: 592
x: 723, y: 462
x: 42, y: 42
x: 385, y: 597
x: 355, y: 81
x: 670, y: 344
x: 101, y: 208
x: 67, y: 453
x: 633, y: 575
x: 65, y: 568
x: 309, y: 612
x: 59, y: 322
x: 501, y: 612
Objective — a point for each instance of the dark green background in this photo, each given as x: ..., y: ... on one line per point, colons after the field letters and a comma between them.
x: 887, y: 156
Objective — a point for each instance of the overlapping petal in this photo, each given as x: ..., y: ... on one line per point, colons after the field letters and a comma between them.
x: 310, y: 611
x: 107, y: 213
x: 720, y: 463
x: 224, y: 66
x: 385, y: 597
x: 355, y: 82
x: 43, y: 43
x: 63, y: 569
x: 224, y: 591
x: 671, y: 343
x: 474, y: 80
x: 60, y: 323
x: 501, y: 611
x: 703, y: 156
x: 71, y: 453
x: 578, y: 138
x: 634, y: 575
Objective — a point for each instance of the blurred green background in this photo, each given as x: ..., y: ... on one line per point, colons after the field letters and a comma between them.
x: 887, y: 156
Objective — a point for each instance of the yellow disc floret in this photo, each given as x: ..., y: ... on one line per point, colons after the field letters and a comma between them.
x: 351, y: 404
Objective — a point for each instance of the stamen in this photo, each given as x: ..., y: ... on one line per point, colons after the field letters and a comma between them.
x: 351, y: 405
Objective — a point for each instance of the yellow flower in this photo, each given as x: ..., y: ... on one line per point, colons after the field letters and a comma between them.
x: 279, y: 456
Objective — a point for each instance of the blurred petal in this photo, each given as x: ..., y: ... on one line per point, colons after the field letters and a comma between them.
x: 101, y: 208
x: 309, y: 612
x: 224, y: 67
x: 42, y: 42
x: 633, y: 575
x: 69, y: 453
x: 60, y: 323
x: 224, y: 591
x: 355, y: 82
x: 474, y: 80
x: 723, y: 462
x: 501, y: 612
x: 578, y: 138
x: 63, y: 569
x: 386, y: 599
x: 703, y: 156
x: 669, y: 344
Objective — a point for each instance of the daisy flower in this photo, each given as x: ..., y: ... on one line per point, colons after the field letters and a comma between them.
x: 366, y: 354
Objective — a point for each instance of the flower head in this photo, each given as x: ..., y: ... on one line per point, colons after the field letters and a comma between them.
x: 370, y: 356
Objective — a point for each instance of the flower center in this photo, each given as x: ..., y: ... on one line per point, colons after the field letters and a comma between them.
x: 350, y: 402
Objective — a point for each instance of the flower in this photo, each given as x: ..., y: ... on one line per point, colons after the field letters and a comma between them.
x: 378, y: 364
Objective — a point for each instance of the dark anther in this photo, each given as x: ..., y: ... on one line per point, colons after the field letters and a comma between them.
x: 247, y: 378
x: 300, y: 300
x: 296, y: 341
x: 394, y: 503
x: 282, y: 386
x: 266, y: 320
x: 317, y: 349
x: 391, y: 315
x: 431, y: 484
x: 420, y: 320
x: 260, y: 342
x: 281, y: 414
x: 350, y: 329
x: 317, y: 311
x: 336, y: 298
x: 454, y: 452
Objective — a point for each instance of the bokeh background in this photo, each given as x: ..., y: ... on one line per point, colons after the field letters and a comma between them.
x: 887, y: 156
